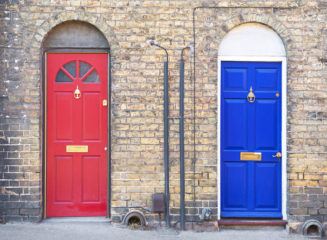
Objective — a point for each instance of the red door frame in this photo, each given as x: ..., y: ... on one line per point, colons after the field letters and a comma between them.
x: 43, y: 117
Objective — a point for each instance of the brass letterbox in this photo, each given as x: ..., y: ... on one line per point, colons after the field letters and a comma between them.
x: 77, y: 148
x: 250, y: 156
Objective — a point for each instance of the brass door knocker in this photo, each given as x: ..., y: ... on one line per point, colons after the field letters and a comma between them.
x: 77, y: 93
x: 251, y: 96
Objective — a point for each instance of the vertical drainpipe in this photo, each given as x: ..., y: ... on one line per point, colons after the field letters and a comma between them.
x: 181, y: 140
x: 181, y: 143
x: 166, y: 141
x: 152, y: 42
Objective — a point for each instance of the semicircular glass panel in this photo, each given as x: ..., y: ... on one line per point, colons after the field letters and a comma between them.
x: 62, y: 77
x: 67, y: 73
x: 92, y: 78
x: 87, y: 73
x: 84, y: 68
x: 71, y: 68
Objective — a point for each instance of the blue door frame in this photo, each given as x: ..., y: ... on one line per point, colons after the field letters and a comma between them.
x: 250, y: 189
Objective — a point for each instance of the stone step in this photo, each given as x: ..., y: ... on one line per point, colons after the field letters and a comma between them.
x: 251, y: 224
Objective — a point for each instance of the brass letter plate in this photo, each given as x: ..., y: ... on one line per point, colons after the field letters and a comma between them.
x: 250, y: 156
x: 77, y: 148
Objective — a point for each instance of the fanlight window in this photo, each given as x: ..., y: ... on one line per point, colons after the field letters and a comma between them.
x: 77, y: 69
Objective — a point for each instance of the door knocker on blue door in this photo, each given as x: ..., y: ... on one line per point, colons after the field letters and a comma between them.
x: 251, y: 96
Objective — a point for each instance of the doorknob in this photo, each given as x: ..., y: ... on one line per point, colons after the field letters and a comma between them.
x: 278, y: 155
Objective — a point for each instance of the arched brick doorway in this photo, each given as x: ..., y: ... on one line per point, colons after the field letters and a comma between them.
x: 76, y: 121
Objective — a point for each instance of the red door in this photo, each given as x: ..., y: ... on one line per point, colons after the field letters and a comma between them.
x: 76, y: 169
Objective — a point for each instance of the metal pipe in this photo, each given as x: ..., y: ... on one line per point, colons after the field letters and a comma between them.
x: 166, y: 141
x: 181, y: 145
x: 181, y: 142
x: 152, y: 42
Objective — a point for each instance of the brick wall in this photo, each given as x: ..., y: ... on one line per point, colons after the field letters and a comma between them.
x: 137, y: 138
x: 19, y: 123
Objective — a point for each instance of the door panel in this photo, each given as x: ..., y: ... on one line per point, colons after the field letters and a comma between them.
x: 235, y: 79
x: 91, y: 182
x: 64, y: 104
x: 265, y: 79
x: 266, y: 186
x: 77, y: 133
x: 234, y: 115
x: 64, y: 178
x: 250, y: 188
x: 91, y: 116
x: 266, y: 119
x: 236, y: 195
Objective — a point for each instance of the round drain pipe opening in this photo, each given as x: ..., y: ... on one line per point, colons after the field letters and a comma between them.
x: 312, y: 229
x: 135, y: 219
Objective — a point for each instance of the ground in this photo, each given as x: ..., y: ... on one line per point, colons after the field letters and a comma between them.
x: 52, y: 230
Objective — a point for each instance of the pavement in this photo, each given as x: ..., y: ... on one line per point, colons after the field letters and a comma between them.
x: 52, y: 230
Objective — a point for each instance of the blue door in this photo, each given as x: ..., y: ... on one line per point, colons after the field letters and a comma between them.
x: 251, y: 139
